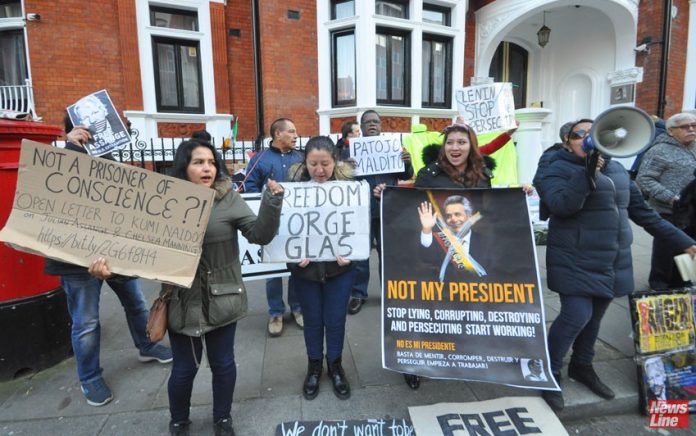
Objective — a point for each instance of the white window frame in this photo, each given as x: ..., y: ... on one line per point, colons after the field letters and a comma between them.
x: 365, y: 23
x: 146, y: 120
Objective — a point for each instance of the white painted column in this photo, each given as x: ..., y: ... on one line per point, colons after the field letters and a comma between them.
x: 529, y: 138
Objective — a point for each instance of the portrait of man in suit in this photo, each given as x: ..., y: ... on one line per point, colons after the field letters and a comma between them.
x: 446, y: 238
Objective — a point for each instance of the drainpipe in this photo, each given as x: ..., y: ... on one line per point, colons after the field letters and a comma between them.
x: 257, y: 63
x: 666, y: 36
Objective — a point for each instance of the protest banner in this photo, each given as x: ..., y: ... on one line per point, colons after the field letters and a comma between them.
x: 508, y: 415
x: 668, y: 376
x: 487, y: 108
x: 466, y: 302
x: 97, y: 113
x: 377, y: 154
x: 663, y: 322
x: 251, y: 255
x: 320, y: 221
x: 75, y: 208
x: 366, y: 427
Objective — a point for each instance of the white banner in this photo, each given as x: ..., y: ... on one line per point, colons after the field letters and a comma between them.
x: 320, y: 221
x: 487, y: 108
x: 377, y: 154
x: 250, y: 255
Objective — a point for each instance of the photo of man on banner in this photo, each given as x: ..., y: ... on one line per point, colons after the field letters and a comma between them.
x: 453, y: 235
x: 461, y: 296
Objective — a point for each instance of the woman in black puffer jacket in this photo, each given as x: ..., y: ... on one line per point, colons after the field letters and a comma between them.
x: 588, y: 259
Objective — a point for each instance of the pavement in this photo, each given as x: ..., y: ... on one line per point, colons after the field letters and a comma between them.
x: 271, y: 371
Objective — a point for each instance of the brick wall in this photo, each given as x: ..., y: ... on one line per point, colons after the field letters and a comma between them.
x: 650, y: 24
x: 289, y: 57
x: 240, y: 55
x: 74, y: 50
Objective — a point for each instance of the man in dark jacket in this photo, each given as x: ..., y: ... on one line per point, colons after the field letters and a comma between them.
x: 273, y: 163
x: 83, y: 291
x: 371, y: 125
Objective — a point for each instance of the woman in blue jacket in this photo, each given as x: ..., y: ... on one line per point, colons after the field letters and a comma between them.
x: 588, y: 258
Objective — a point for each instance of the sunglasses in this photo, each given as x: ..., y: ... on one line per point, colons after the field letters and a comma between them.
x: 455, y: 127
x: 579, y: 134
x: 686, y: 126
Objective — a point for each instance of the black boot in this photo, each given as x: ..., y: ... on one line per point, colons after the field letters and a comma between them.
x: 223, y: 427
x: 179, y: 428
x: 586, y: 375
x: 310, y: 389
x: 554, y: 398
x: 338, y: 379
x: 413, y: 381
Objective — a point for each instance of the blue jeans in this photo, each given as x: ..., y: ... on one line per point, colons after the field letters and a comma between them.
x: 219, y: 345
x: 324, y: 306
x: 82, y: 292
x: 362, y: 267
x: 577, y: 324
x: 274, y: 295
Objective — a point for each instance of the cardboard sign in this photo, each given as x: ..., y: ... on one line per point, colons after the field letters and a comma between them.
x: 320, y: 221
x: 377, y: 154
x: 98, y: 114
x: 462, y: 301
x: 75, y: 208
x: 507, y: 415
x: 251, y: 255
x: 664, y: 322
x: 487, y: 108
x: 367, y: 427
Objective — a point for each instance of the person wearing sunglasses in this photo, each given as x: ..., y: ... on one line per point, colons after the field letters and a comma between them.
x: 665, y: 170
x: 588, y: 256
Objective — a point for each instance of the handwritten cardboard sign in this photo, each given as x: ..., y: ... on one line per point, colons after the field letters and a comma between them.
x: 367, y: 427
x: 98, y: 114
x: 507, y: 415
x: 377, y: 154
x: 75, y: 208
x: 487, y: 108
x: 320, y: 221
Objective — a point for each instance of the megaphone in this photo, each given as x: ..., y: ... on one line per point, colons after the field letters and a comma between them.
x: 620, y: 132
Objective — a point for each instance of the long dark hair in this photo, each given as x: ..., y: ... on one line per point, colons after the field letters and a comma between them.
x: 182, y: 159
x: 316, y: 143
x: 473, y: 173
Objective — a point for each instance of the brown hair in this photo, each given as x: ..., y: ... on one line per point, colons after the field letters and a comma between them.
x: 474, y: 171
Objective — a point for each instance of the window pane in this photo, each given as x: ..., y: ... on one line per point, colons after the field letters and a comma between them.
x: 439, y: 61
x: 398, y: 55
x: 9, y: 9
x: 382, y: 79
x: 167, y: 75
x: 425, y: 82
x: 345, y: 68
x: 189, y: 76
x: 173, y: 19
x: 342, y: 9
x: 391, y: 9
x: 13, y: 62
x: 435, y: 17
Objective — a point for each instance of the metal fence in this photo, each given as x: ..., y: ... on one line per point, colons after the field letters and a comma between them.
x: 158, y: 153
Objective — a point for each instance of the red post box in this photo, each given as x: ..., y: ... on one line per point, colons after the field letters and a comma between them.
x: 34, y: 319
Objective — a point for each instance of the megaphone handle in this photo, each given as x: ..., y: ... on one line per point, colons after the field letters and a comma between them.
x: 591, y: 168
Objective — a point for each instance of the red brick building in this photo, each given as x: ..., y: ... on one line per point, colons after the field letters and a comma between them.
x: 174, y: 66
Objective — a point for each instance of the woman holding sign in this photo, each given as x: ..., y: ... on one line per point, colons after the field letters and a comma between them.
x: 205, y: 316
x: 323, y: 287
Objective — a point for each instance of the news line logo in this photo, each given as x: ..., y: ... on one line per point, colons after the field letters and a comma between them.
x: 668, y: 414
